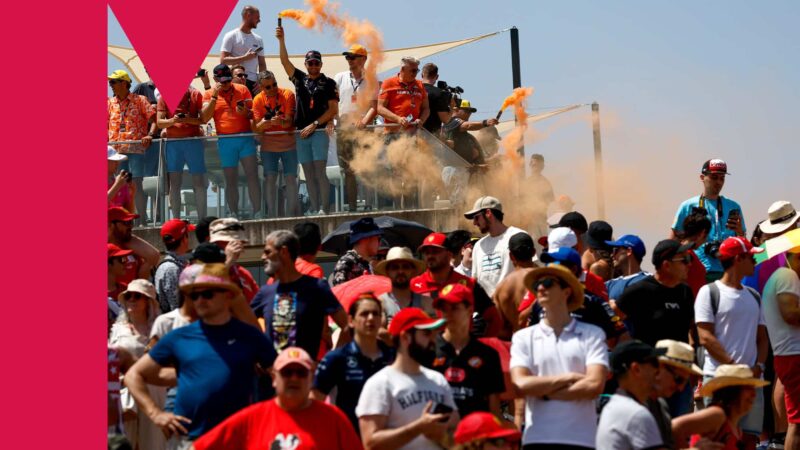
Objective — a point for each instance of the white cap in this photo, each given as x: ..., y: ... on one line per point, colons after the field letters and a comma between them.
x: 113, y: 155
x: 561, y: 237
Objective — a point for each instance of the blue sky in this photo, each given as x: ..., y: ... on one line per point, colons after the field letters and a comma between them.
x: 677, y: 83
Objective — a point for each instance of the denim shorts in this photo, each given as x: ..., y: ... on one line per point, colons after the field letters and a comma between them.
x: 313, y: 148
x: 233, y: 149
x: 270, y: 162
x: 151, y: 160
x: 134, y: 164
x: 753, y: 422
x: 189, y: 152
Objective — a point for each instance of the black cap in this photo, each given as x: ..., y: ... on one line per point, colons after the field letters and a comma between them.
x: 520, y: 242
x: 222, y: 72
x: 632, y: 351
x: 313, y: 54
x: 208, y: 253
x: 666, y: 249
x: 599, y: 232
x: 575, y: 221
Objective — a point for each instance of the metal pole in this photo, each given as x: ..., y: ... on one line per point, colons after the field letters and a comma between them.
x: 158, y: 201
x: 598, y: 162
x: 515, y: 72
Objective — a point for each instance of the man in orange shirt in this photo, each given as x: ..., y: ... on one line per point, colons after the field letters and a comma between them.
x: 128, y: 116
x: 403, y: 98
x: 184, y: 121
x: 273, y: 110
x: 229, y: 104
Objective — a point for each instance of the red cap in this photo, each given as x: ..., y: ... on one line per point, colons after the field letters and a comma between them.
x: 119, y: 213
x: 527, y: 301
x: 293, y: 355
x: 483, y: 425
x: 433, y: 240
x: 409, y: 318
x: 455, y: 293
x: 175, y: 229
x: 734, y: 246
x: 114, y: 251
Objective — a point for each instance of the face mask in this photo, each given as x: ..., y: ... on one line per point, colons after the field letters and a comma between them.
x: 422, y: 355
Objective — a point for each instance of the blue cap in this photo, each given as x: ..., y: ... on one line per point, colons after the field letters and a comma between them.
x: 363, y: 228
x: 630, y: 241
x: 562, y: 255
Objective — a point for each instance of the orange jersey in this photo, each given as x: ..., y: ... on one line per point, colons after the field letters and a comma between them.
x: 282, y: 105
x: 226, y: 119
x: 403, y: 98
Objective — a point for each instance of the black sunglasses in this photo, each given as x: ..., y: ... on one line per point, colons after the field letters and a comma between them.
x: 133, y: 296
x: 547, y: 282
x: 313, y: 63
x: 299, y: 372
x: 680, y: 380
x: 242, y: 75
x: 125, y: 222
x: 207, y: 294
x: 352, y: 57
x: 113, y: 82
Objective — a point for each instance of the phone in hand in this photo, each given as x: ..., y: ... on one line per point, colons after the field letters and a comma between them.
x: 441, y: 408
x: 258, y: 49
x: 733, y: 218
x: 128, y: 176
x: 180, y: 115
x: 201, y: 73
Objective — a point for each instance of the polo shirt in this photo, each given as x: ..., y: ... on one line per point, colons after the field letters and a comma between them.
x: 473, y: 374
x: 347, y: 369
x: 538, y: 349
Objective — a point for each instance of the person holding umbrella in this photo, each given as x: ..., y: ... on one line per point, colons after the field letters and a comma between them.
x: 365, y: 240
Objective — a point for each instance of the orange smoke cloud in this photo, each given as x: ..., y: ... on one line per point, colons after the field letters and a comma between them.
x: 353, y: 31
x: 515, y: 139
x: 517, y: 97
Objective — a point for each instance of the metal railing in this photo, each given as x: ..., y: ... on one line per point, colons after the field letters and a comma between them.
x: 155, y: 186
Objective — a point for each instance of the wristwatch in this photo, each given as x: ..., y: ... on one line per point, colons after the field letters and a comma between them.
x: 761, y: 366
x: 316, y: 122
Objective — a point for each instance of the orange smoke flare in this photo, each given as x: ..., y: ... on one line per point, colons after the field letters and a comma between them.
x: 516, y: 97
x: 353, y: 31
x: 515, y: 139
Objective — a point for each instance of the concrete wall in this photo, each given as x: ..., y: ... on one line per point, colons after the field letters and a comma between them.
x: 257, y: 230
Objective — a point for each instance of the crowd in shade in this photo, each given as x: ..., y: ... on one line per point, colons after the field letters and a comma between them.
x: 491, y: 337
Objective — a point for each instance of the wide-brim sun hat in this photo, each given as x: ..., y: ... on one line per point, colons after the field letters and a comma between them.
x: 679, y: 354
x: 782, y: 216
x: 207, y: 275
x: 728, y: 375
x: 575, y: 301
x: 140, y: 286
x: 400, y: 254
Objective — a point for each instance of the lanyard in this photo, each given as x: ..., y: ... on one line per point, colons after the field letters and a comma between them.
x: 355, y: 86
x: 122, y: 110
x: 718, y: 219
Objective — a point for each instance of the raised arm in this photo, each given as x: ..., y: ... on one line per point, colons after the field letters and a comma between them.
x: 287, y: 65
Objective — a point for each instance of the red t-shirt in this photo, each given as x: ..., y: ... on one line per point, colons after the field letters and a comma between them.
x: 191, y: 104
x: 403, y: 98
x: 226, y: 119
x: 246, y: 282
x: 697, y: 274
x: 424, y: 283
x: 308, y: 268
x: 266, y: 425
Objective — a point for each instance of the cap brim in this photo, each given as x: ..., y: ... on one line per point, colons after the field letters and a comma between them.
x: 355, y: 238
x: 304, y: 364
x: 473, y: 213
x: 469, y: 109
x: 684, y: 248
x: 505, y: 433
x: 432, y: 325
x: 224, y: 78
x: 313, y: 59
x: 380, y: 268
x: 121, y: 253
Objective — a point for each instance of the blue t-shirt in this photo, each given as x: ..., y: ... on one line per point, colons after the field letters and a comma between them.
x: 719, y: 230
x: 347, y: 369
x: 294, y: 313
x: 618, y: 285
x: 215, y: 366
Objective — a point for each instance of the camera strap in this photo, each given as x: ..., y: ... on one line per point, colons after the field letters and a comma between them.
x: 718, y: 221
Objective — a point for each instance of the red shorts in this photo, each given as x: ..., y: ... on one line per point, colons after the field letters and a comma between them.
x: 788, y: 370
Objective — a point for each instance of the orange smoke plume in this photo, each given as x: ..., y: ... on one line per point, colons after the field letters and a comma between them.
x: 515, y: 139
x: 517, y: 97
x: 353, y: 31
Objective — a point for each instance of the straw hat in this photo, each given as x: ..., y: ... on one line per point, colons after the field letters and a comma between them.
x: 679, y: 354
x: 207, y: 275
x: 575, y: 301
x: 728, y: 375
x: 782, y: 216
x: 141, y: 286
x: 399, y: 254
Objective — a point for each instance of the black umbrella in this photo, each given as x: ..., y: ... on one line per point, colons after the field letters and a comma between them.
x: 396, y: 233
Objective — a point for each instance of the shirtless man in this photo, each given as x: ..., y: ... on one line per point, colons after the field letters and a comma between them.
x: 508, y: 295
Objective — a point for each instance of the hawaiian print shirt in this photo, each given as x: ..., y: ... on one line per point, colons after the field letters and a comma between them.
x: 350, y: 266
x: 127, y: 121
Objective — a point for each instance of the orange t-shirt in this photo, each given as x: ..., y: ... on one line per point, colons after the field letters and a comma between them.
x: 226, y: 119
x: 282, y: 105
x: 403, y: 98
x: 191, y: 104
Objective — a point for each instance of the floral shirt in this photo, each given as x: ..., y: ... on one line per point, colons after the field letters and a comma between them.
x: 128, y: 121
x: 166, y: 281
x: 350, y: 266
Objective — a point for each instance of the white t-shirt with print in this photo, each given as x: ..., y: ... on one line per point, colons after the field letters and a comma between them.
x: 490, y: 259
x: 735, y: 324
x: 238, y: 43
x: 625, y: 424
x: 785, y: 338
x: 402, y: 398
x: 538, y: 349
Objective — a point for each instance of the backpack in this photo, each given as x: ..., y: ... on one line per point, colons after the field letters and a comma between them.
x: 713, y: 291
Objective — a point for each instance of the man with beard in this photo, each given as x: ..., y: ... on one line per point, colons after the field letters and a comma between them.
x: 490, y: 260
x: 291, y: 420
x: 401, y: 266
x: 294, y: 308
x: 440, y: 273
x: 627, y: 255
x: 243, y: 47
x: 349, y: 367
x: 120, y: 233
x: 406, y: 405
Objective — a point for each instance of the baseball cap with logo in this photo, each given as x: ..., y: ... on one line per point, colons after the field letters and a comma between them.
x: 175, y: 229
x: 412, y: 317
x: 632, y: 242
x: 293, y: 355
x: 313, y: 55
x: 734, y: 246
x: 454, y: 293
x: 666, y: 249
x: 223, y: 73
x: 715, y: 166
x: 433, y: 240
x: 483, y: 425
x: 486, y: 202
x: 356, y: 50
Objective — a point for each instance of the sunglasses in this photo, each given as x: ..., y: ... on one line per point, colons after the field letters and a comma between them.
x: 547, y: 283
x: 133, y: 296
x: 270, y: 86
x: 241, y: 75
x: 680, y: 380
x: 686, y: 259
x: 313, y: 63
x: 127, y: 223
x: 289, y: 372
x: 207, y: 294
x: 352, y: 57
x: 113, y: 82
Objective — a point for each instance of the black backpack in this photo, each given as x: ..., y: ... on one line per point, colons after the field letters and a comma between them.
x: 713, y: 291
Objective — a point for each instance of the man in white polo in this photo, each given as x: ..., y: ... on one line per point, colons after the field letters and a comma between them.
x: 559, y: 365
